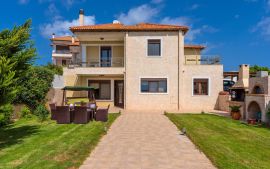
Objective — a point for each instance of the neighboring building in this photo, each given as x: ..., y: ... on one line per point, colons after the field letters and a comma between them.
x: 144, y: 67
x: 66, y: 49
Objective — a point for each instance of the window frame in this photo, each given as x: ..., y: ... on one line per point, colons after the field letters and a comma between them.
x: 108, y: 81
x: 154, y: 79
x: 161, y: 49
x: 209, y: 86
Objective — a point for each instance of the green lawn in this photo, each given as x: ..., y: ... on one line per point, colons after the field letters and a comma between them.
x: 30, y: 144
x: 227, y: 143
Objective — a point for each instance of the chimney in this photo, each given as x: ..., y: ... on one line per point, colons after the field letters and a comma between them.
x: 81, y: 17
x: 72, y: 39
x: 244, y: 72
x: 53, y: 35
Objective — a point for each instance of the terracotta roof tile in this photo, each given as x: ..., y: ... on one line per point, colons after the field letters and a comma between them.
x: 67, y: 38
x: 64, y: 38
x: 122, y: 27
x: 195, y: 46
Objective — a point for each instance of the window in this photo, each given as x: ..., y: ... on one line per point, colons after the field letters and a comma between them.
x: 154, y: 47
x: 103, y: 89
x: 200, y: 86
x: 154, y: 85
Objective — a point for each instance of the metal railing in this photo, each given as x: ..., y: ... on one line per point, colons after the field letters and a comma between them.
x: 115, y: 62
x: 61, y: 51
x: 202, y: 60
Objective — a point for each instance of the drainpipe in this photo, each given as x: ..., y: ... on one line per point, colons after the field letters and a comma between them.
x: 178, y: 73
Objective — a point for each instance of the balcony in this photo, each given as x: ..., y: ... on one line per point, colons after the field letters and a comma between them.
x: 202, y: 60
x: 61, y: 53
x: 115, y: 66
x: 114, y: 62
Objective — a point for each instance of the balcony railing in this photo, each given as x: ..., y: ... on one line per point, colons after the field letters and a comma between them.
x: 202, y: 60
x: 61, y: 51
x: 115, y: 62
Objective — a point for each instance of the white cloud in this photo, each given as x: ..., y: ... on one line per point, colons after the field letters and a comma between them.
x: 193, y: 32
x: 53, y: 12
x: 143, y: 13
x: 185, y: 21
x: 61, y: 27
x: 263, y: 26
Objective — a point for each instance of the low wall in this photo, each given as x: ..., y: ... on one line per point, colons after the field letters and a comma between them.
x: 223, y: 103
x: 55, y: 95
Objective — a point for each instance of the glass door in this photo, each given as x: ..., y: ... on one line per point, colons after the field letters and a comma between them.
x: 105, y: 56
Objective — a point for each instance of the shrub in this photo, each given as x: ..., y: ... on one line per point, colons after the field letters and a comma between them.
x: 34, y: 86
x: 5, y: 114
x: 41, y: 112
x: 25, y: 112
x: 55, y: 68
x: 235, y: 108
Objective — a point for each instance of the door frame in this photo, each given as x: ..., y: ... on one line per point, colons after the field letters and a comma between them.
x: 115, y: 93
x: 100, y: 54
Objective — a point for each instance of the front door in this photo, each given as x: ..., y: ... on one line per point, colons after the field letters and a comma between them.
x: 105, y: 56
x: 119, y: 93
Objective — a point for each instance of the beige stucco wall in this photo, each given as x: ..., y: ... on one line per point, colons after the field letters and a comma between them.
x: 189, y: 51
x: 192, y: 56
x: 201, y: 103
x: 117, y: 56
x: 263, y: 82
x: 139, y: 65
x: 92, y: 54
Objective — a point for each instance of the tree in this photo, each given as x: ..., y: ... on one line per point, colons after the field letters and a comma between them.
x: 257, y: 68
x: 34, y: 86
x: 15, y: 45
x: 7, y: 81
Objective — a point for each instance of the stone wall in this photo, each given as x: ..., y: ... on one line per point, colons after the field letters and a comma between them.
x: 55, y: 96
x: 223, y: 103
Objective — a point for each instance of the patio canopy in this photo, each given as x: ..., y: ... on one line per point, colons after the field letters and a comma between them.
x: 79, y: 88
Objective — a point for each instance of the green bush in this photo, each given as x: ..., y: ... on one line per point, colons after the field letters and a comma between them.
x: 55, y: 68
x: 34, y: 86
x: 41, y: 112
x: 5, y: 114
x: 25, y: 112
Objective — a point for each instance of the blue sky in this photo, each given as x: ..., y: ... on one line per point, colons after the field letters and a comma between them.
x: 237, y: 30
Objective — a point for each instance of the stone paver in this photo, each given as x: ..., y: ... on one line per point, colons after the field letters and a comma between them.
x: 144, y: 141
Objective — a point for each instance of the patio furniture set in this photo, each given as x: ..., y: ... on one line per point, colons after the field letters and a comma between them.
x: 78, y: 114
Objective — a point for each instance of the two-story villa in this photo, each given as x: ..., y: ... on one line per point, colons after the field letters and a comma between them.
x: 144, y: 67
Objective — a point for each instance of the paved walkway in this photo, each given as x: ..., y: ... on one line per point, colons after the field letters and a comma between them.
x: 144, y: 141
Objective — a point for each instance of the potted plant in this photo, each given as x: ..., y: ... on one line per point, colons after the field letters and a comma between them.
x: 235, y: 112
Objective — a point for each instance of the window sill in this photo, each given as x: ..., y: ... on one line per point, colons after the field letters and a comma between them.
x: 154, y: 93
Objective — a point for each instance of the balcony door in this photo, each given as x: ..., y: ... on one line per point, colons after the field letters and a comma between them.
x: 105, y: 56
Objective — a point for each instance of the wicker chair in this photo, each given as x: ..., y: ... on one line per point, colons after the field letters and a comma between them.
x: 102, y: 114
x: 62, y: 114
x: 81, y: 116
x: 53, y: 108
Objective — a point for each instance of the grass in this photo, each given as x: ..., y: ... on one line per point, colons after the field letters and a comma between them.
x: 30, y: 144
x: 227, y: 143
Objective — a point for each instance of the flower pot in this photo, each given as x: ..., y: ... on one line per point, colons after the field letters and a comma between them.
x: 236, y: 115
